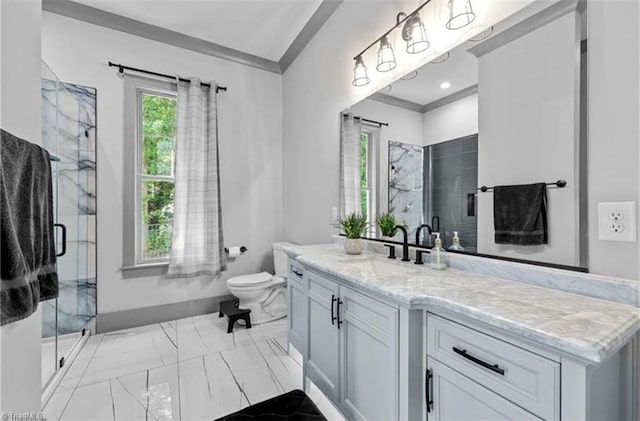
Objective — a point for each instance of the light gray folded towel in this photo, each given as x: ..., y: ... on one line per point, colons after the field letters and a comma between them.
x: 28, y: 264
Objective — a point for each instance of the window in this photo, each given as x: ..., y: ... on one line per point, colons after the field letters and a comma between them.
x: 150, y: 115
x: 367, y: 193
x: 155, y: 174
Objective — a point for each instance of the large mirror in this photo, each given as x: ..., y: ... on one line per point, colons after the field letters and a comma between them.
x: 505, y: 110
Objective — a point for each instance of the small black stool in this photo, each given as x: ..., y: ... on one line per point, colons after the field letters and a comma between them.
x: 231, y: 310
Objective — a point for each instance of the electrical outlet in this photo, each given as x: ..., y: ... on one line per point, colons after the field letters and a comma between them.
x: 616, y: 215
x: 617, y: 221
x: 334, y: 214
x: 616, y: 227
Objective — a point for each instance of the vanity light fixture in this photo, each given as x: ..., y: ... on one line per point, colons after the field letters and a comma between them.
x: 414, y: 33
x: 360, y: 77
x: 460, y: 14
x: 386, y: 58
x: 385, y: 90
x: 445, y: 85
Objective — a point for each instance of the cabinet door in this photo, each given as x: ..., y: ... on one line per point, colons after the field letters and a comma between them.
x: 323, y: 335
x: 297, y: 316
x: 369, y: 367
x: 456, y: 397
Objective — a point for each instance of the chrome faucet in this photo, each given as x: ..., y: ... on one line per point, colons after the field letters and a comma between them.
x: 419, y: 230
x: 405, y: 243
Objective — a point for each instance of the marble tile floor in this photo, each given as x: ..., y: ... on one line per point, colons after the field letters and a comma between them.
x: 134, y: 374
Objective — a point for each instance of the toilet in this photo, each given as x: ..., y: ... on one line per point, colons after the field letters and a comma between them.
x: 263, y: 293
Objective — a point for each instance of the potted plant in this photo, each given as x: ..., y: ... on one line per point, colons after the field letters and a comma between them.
x: 387, y: 223
x: 354, y: 227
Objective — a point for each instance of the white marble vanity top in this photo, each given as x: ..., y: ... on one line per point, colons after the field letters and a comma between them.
x: 589, y: 328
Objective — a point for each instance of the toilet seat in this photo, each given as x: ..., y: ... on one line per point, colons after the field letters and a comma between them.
x: 253, y: 280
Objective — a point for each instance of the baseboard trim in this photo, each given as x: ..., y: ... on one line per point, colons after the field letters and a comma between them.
x: 117, y: 320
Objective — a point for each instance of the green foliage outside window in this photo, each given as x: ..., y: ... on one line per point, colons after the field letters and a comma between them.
x: 158, y: 123
x: 364, y: 173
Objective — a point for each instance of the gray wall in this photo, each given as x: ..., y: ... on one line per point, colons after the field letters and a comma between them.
x: 250, y: 126
x: 20, y: 114
x: 528, y: 125
x: 614, y: 71
x: 451, y: 174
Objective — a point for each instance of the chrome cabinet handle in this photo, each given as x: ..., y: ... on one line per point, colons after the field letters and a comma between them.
x: 493, y: 367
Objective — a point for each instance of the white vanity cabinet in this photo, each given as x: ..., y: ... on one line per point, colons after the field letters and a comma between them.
x: 503, y: 377
x: 352, y: 349
x: 378, y: 358
x: 297, y: 314
x: 453, y: 396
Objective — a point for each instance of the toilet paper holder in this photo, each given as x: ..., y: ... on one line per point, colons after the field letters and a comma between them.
x: 243, y: 249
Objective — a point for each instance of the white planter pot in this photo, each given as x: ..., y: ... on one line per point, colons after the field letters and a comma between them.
x: 353, y: 245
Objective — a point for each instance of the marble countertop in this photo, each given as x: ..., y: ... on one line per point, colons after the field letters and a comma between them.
x: 586, y: 327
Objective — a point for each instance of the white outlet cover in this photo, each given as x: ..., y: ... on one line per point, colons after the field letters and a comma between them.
x: 625, y: 218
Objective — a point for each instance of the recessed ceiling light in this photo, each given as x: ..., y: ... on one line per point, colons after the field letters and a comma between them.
x: 482, y: 35
x: 445, y: 85
x: 441, y: 59
x: 410, y: 76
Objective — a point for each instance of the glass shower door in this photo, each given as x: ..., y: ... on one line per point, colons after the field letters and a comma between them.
x: 68, y: 132
x: 49, y: 141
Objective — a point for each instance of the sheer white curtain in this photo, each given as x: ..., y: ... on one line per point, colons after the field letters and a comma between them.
x: 350, y: 189
x: 197, y: 247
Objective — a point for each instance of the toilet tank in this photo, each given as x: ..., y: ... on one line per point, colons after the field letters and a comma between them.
x: 280, y: 259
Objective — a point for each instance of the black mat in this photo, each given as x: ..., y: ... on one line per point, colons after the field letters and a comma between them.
x: 292, y: 406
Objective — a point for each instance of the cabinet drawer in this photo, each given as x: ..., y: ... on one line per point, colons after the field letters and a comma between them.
x: 520, y: 376
x: 296, y: 273
x: 455, y: 397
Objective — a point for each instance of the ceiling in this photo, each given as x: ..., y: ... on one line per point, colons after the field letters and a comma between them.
x: 264, y: 28
x: 460, y: 70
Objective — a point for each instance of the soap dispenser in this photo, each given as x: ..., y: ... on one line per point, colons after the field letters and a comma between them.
x: 438, y: 255
x: 456, y: 243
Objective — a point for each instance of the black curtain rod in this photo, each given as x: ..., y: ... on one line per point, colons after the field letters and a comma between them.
x: 122, y: 68
x: 559, y: 183
x: 379, y: 123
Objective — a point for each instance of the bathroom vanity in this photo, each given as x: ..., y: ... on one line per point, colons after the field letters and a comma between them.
x: 386, y: 340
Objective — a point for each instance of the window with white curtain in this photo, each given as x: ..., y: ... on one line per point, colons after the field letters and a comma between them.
x: 155, y: 163
x: 150, y: 118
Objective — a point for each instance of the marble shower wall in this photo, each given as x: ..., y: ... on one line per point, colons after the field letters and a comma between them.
x: 406, y: 184
x: 69, y: 132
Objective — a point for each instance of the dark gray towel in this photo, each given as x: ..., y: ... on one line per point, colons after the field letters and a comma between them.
x: 28, y: 264
x: 520, y: 214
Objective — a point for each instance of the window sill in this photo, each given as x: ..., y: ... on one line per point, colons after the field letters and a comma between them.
x: 146, y: 269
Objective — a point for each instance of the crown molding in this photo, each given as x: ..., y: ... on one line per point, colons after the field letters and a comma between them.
x: 120, y: 23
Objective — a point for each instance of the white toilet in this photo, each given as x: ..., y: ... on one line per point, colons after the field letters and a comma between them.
x: 264, y: 294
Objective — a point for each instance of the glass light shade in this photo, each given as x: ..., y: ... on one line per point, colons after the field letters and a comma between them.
x: 360, y: 77
x: 460, y: 14
x: 416, y: 35
x: 386, y: 58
